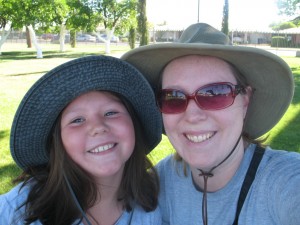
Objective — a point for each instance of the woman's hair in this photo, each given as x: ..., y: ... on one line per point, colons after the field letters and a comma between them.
x: 50, y: 200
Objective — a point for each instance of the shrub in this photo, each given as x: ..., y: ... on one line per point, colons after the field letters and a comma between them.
x: 279, y: 41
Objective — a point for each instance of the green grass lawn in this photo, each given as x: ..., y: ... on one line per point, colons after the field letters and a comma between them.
x: 19, y: 69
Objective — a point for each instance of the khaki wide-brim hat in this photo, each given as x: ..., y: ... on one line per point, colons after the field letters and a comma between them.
x: 267, y: 73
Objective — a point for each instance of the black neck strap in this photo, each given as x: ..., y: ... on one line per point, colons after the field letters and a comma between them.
x: 76, y: 200
x: 258, y: 154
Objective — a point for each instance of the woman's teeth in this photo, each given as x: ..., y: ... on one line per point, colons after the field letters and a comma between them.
x: 199, y: 138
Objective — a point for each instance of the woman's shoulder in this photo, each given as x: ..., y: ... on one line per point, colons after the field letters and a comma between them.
x: 165, y: 167
x: 281, y: 157
x: 280, y: 167
x: 277, y: 185
x: 165, y: 161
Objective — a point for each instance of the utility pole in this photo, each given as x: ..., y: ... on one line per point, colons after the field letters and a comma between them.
x: 198, y: 9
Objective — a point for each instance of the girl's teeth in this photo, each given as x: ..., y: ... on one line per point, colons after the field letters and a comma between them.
x: 199, y: 138
x: 102, y: 148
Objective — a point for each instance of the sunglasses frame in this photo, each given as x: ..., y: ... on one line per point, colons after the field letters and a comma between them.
x: 235, y: 90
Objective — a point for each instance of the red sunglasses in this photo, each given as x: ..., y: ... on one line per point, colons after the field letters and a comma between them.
x: 213, y: 96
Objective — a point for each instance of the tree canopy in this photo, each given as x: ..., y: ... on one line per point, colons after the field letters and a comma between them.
x: 113, y: 14
x: 225, y: 27
x: 290, y: 8
x: 74, y: 15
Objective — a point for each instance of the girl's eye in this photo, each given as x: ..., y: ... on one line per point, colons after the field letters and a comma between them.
x: 78, y: 120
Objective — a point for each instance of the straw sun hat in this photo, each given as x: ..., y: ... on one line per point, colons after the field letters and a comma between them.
x: 45, y: 100
x: 267, y: 73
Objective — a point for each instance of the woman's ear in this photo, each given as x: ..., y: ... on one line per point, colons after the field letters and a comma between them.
x: 247, y: 98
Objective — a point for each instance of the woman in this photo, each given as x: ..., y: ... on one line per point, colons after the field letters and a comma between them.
x: 217, y: 101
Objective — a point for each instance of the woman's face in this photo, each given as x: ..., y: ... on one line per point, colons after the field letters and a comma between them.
x: 203, y: 138
x: 98, y: 133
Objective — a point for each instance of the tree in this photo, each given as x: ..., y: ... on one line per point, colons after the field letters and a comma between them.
x: 131, y: 37
x: 7, y: 14
x: 282, y: 26
x: 290, y: 8
x: 58, y: 10
x: 225, y: 28
x: 142, y: 23
x: 113, y: 15
x: 33, y: 14
x: 80, y: 17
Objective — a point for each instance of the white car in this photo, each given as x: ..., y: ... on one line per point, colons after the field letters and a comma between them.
x: 237, y: 40
x: 112, y: 38
x: 86, y: 37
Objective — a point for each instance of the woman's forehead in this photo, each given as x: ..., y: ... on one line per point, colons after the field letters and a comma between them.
x: 194, y: 68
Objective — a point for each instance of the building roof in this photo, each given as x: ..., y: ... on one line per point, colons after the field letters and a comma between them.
x: 169, y: 27
x: 174, y: 27
x: 295, y: 30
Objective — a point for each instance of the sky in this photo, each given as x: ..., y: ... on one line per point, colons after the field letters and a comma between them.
x: 243, y: 14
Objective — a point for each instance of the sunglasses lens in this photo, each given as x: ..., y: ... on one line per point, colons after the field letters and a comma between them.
x: 171, y: 101
x: 214, y: 97
x: 211, y: 97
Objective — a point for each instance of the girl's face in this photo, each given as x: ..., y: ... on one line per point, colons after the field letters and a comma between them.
x: 203, y: 138
x: 98, y: 134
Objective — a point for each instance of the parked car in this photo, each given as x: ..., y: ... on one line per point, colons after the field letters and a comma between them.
x: 112, y: 38
x: 86, y: 37
x: 47, y: 36
x: 55, y: 38
x: 237, y: 40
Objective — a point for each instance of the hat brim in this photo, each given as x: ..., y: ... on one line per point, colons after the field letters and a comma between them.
x: 267, y: 73
x: 45, y: 100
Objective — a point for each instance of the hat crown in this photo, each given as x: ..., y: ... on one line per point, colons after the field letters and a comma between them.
x: 203, y: 33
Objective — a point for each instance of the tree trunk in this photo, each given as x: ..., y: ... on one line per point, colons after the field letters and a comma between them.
x: 107, y: 47
x: 39, y: 52
x: 73, y: 38
x: 62, y: 35
x: 4, y: 35
x: 28, y: 39
x: 109, y: 34
x: 142, y: 23
x: 225, y: 26
x: 131, y: 38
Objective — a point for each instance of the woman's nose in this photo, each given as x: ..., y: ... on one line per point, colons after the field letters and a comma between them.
x: 193, y: 112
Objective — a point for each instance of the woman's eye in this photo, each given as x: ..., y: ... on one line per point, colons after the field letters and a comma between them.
x: 110, y: 113
x: 78, y: 120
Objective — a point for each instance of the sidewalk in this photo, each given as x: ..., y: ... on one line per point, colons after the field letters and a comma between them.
x: 278, y: 51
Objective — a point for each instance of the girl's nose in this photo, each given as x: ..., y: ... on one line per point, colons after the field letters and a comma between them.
x: 99, y: 127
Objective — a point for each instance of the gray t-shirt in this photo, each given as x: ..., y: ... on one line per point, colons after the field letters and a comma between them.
x: 274, y: 197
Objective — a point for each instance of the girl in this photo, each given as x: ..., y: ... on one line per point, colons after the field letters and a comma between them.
x: 81, y: 135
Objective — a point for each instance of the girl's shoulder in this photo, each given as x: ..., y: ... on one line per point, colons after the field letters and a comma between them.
x: 15, y: 196
x: 11, y: 202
